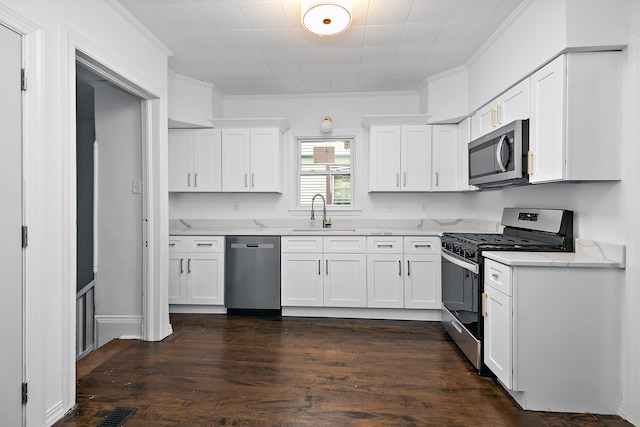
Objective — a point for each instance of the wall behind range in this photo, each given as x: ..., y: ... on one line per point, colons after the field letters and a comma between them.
x: 595, y: 204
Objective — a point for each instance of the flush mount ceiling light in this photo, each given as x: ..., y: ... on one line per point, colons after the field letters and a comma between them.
x: 326, y: 124
x: 325, y: 18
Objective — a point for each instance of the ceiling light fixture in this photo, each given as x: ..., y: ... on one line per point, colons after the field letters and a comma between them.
x: 325, y: 17
x: 326, y: 124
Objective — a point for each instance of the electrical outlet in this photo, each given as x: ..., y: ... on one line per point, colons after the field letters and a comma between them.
x: 424, y: 206
x: 236, y: 207
x: 136, y: 186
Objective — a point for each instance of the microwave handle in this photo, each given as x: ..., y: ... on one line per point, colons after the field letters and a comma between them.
x: 499, y: 152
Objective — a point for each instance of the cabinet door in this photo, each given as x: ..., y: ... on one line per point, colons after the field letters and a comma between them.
x: 546, y: 124
x: 177, y: 278
x: 385, y: 285
x: 236, y: 161
x: 266, y: 173
x: 484, y: 120
x: 207, y: 164
x: 302, y: 280
x: 180, y: 159
x: 416, y: 158
x: 514, y: 104
x: 345, y: 281
x: 445, y: 158
x: 464, y: 138
x: 498, y: 334
x: 205, y: 278
x: 384, y: 155
x: 422, y: 281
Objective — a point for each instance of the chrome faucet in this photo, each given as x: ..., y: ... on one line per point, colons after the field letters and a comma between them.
x: 325, y: 223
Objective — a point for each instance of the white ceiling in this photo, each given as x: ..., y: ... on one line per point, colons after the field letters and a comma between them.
x: 255, y: 47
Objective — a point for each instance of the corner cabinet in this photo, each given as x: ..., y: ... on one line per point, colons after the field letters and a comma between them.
x: 575, y: 127
x: 196, y: 270
x: 398, y: 155
x: 194, y: 160
x: 551, y: 335
x: 251, y: 160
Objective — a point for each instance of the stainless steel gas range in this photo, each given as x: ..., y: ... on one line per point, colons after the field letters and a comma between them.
x: 525, y: 229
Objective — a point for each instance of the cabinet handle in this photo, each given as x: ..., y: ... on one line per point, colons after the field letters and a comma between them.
x: 408, y: 268
x: 384, y: 246
x: 530, y: 162
x: 495, y: 275
x: 319, y: 268
x: 189, y: 179
x: 437, y: 179
x: 326, y: 267
x: 493, y: 117
x: 422, y: 246
x: 245, y: 180
x: 204, y: 244
x: 195, y: 179
x: 253, y: 180
x: 399, y: 268
x: 181, y: 265
x: 404, y: 179
x: 499, y: 114
x: 397, y: 179
x: 484, y: 304
x: 189, y: 266
x: 172, y: 245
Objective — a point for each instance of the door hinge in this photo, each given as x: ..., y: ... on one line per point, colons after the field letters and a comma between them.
x: 24, y: 393
x: 23, y: 79
x: 24, y: 236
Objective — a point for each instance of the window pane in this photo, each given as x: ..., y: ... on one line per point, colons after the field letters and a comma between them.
x: 325, y: 155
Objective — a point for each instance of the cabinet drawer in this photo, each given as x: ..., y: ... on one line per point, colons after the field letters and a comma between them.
x: 177, y: 244
x: 497, y: 276
x: 384, y: 244
x: 301, y: 244
x: 345, y: 244
x: 205, y: 244
x: 416, y: 244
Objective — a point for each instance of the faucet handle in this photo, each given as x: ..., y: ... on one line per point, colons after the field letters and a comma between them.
x: 326, y: 223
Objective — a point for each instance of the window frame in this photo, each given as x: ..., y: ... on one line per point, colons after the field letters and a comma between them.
x: 355, y: 136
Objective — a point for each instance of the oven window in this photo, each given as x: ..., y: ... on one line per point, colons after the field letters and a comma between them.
x: 460, y: 295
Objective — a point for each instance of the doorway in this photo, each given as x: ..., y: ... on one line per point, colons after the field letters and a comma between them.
x: 11, y: 220
x: 109, y: 209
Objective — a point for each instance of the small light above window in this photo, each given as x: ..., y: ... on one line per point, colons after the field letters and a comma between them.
x: 325, y: 17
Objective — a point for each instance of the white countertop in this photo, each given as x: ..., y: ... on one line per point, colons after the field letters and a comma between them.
x: 588, y: 253
x: 301, y: 227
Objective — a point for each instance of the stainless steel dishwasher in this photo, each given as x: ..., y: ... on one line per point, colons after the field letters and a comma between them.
x: 252, y: 273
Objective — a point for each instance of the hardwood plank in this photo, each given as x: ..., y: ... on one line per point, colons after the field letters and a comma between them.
x: 219, y: 370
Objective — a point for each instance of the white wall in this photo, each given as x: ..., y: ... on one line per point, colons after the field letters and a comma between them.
x: 54, y: 29
x: 118, y: 290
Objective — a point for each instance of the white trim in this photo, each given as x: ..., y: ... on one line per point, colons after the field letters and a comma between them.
x: 364, y: 313
x: 322, y: 95
x: 197, y: 309
x: 138, y: 26
x: 132, y: 324
x: 53, y: 414
x: 358, y: 173
x: 176, y: 76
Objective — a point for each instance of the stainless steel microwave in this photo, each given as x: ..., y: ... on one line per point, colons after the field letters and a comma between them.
x: 499, y: 158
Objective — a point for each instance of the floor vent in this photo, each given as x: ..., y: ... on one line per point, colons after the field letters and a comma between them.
x: 117, y: 417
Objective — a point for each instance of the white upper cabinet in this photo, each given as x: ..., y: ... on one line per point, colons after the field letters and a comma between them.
x: 251, y: 160
x: 194, y: 160
x: 445, y: 162
x: 400, y: 158
x: 574, y: 128
x: 511, y: 105
x: 464, y: 138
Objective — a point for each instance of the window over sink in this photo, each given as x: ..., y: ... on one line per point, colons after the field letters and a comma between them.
x: 325, y: 166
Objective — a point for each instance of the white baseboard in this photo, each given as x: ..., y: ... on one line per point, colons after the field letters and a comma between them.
x: 55, y: 413
x: 112, y: 326
x: 197, y: 309
x: 364, y: 313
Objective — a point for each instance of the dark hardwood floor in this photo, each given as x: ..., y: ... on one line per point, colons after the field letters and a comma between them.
x: 244, y: 371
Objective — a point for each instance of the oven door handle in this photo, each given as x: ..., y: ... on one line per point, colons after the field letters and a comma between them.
x: 464, y: 264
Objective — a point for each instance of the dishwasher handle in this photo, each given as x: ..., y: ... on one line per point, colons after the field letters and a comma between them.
x: 252, y: 246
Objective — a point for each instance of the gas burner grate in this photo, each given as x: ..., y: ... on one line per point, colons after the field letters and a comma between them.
x: 117, y: 417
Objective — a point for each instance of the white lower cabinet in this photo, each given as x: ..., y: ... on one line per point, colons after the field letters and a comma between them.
x: 196, y: 270
x: 323, y: 271
x: 551, y: 334
x: 403, y: 272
